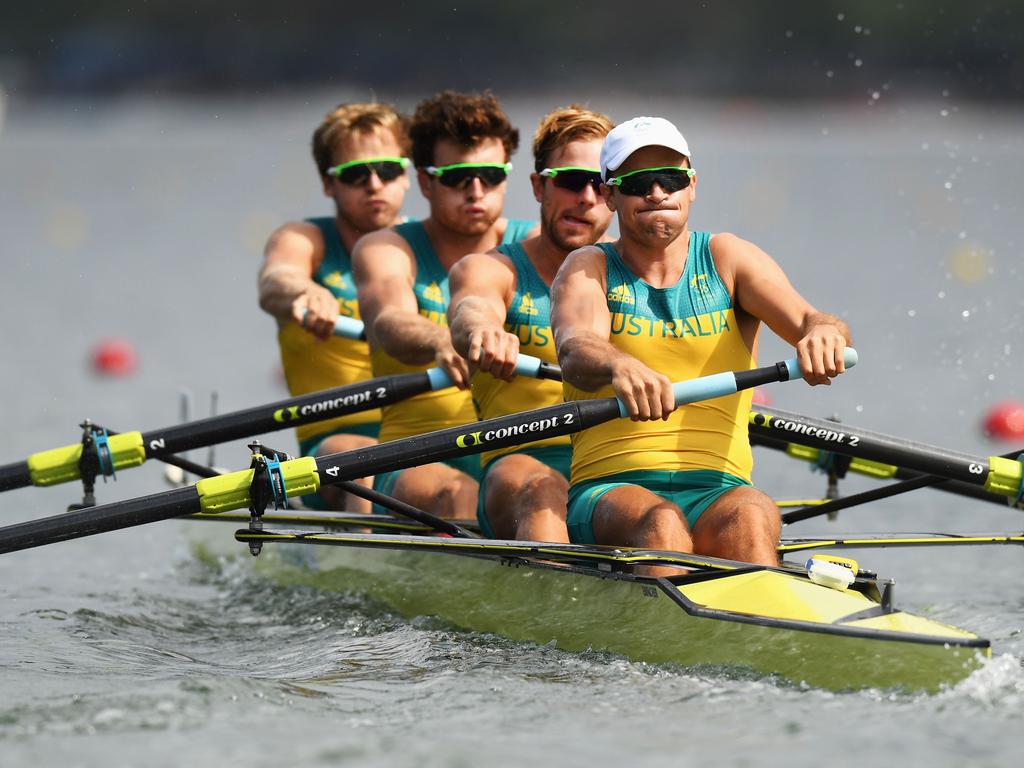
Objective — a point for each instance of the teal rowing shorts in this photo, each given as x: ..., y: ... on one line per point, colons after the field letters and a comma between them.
x: 693, y: 491
x: 312, y: 445
x: 385, y: 481
x: 558, y: 457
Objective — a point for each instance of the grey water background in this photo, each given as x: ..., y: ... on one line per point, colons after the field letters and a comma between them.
x: 145, y: 219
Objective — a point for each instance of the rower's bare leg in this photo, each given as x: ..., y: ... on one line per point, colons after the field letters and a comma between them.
x: 526, y: 499
x: 441, y: 490
x: 742, y: 524
x: 335, y: 498
x: 632, y: 516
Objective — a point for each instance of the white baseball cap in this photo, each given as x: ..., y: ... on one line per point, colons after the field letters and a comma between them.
x: 626, y: 138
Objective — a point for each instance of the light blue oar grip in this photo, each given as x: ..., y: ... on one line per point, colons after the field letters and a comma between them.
x: 704, y: 388
x: 527, y: 365
x: 793, y: 366
x: 348, y: 328
x: 439, y: 379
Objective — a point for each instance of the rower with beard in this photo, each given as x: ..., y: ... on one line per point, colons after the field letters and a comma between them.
x: 461, y: 145
x: 501, y: 307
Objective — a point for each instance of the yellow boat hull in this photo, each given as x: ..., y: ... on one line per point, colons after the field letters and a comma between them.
x: 768, y: 622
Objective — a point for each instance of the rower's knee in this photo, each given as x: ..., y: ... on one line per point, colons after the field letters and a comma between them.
x: 744, y: 527
x: 663, y: 526
x: 455, y: 496
x: 539, y: 487
x: 752, y: 519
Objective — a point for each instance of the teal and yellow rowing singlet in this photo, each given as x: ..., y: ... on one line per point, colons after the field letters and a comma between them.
x: 447, y: 407
x: 529, y: 318
x: 684, y: 331
x: 311, y: 365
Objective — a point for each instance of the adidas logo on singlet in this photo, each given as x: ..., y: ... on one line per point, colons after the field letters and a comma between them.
x: 335, y: 280
x: 621, y: 294
x: 526, y: 305
x: 433, y: 293
x: 700, y: 282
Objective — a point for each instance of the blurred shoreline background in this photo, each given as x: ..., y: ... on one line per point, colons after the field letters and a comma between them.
x: 800, y: 49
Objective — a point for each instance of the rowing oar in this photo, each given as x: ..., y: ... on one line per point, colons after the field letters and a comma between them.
x: 1001, y: 475
x: 878, y: 471
x: 109, y: 452
x: 305, y: 475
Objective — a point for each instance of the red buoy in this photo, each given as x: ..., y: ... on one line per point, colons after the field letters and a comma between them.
x: 114, y: 357
x: 761, y: 396
x: 1005, y: 421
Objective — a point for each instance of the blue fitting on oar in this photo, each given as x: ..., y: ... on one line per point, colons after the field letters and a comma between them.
x: 824, y: 462
x: 276, y: 479
x: 106, y: 462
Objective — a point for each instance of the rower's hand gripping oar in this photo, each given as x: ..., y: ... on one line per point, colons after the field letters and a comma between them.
x: 719, y: 384
x: 344, y: 327
x: 299, y: 477
x: 350, y: 328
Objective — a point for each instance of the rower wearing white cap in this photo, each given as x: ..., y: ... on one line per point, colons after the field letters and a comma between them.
x: 662, y: 304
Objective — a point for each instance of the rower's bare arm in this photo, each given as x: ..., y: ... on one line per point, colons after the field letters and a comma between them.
x: 382, y: 265
x: 286, y: 286
x: 581, y: 323
x: 482, y: 286
x: 763, y: 290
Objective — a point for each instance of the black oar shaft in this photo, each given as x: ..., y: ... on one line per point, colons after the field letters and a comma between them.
x: 294, y: 412
x: 899, y: 473
x: 549, y: 371
x: 500, y: 432
x: 841, y: 438
x: 875, y: 494
x: 406, y: 510
x: 111, y: 517
x: 15, y: 475
x: 131, y: 449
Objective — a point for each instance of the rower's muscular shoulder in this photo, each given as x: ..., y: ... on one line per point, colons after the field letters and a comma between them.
x: 295, y: 242
x: 483, y: 273
x: 735, y: 258
x: 382, y: 252
x: 586, y: 263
